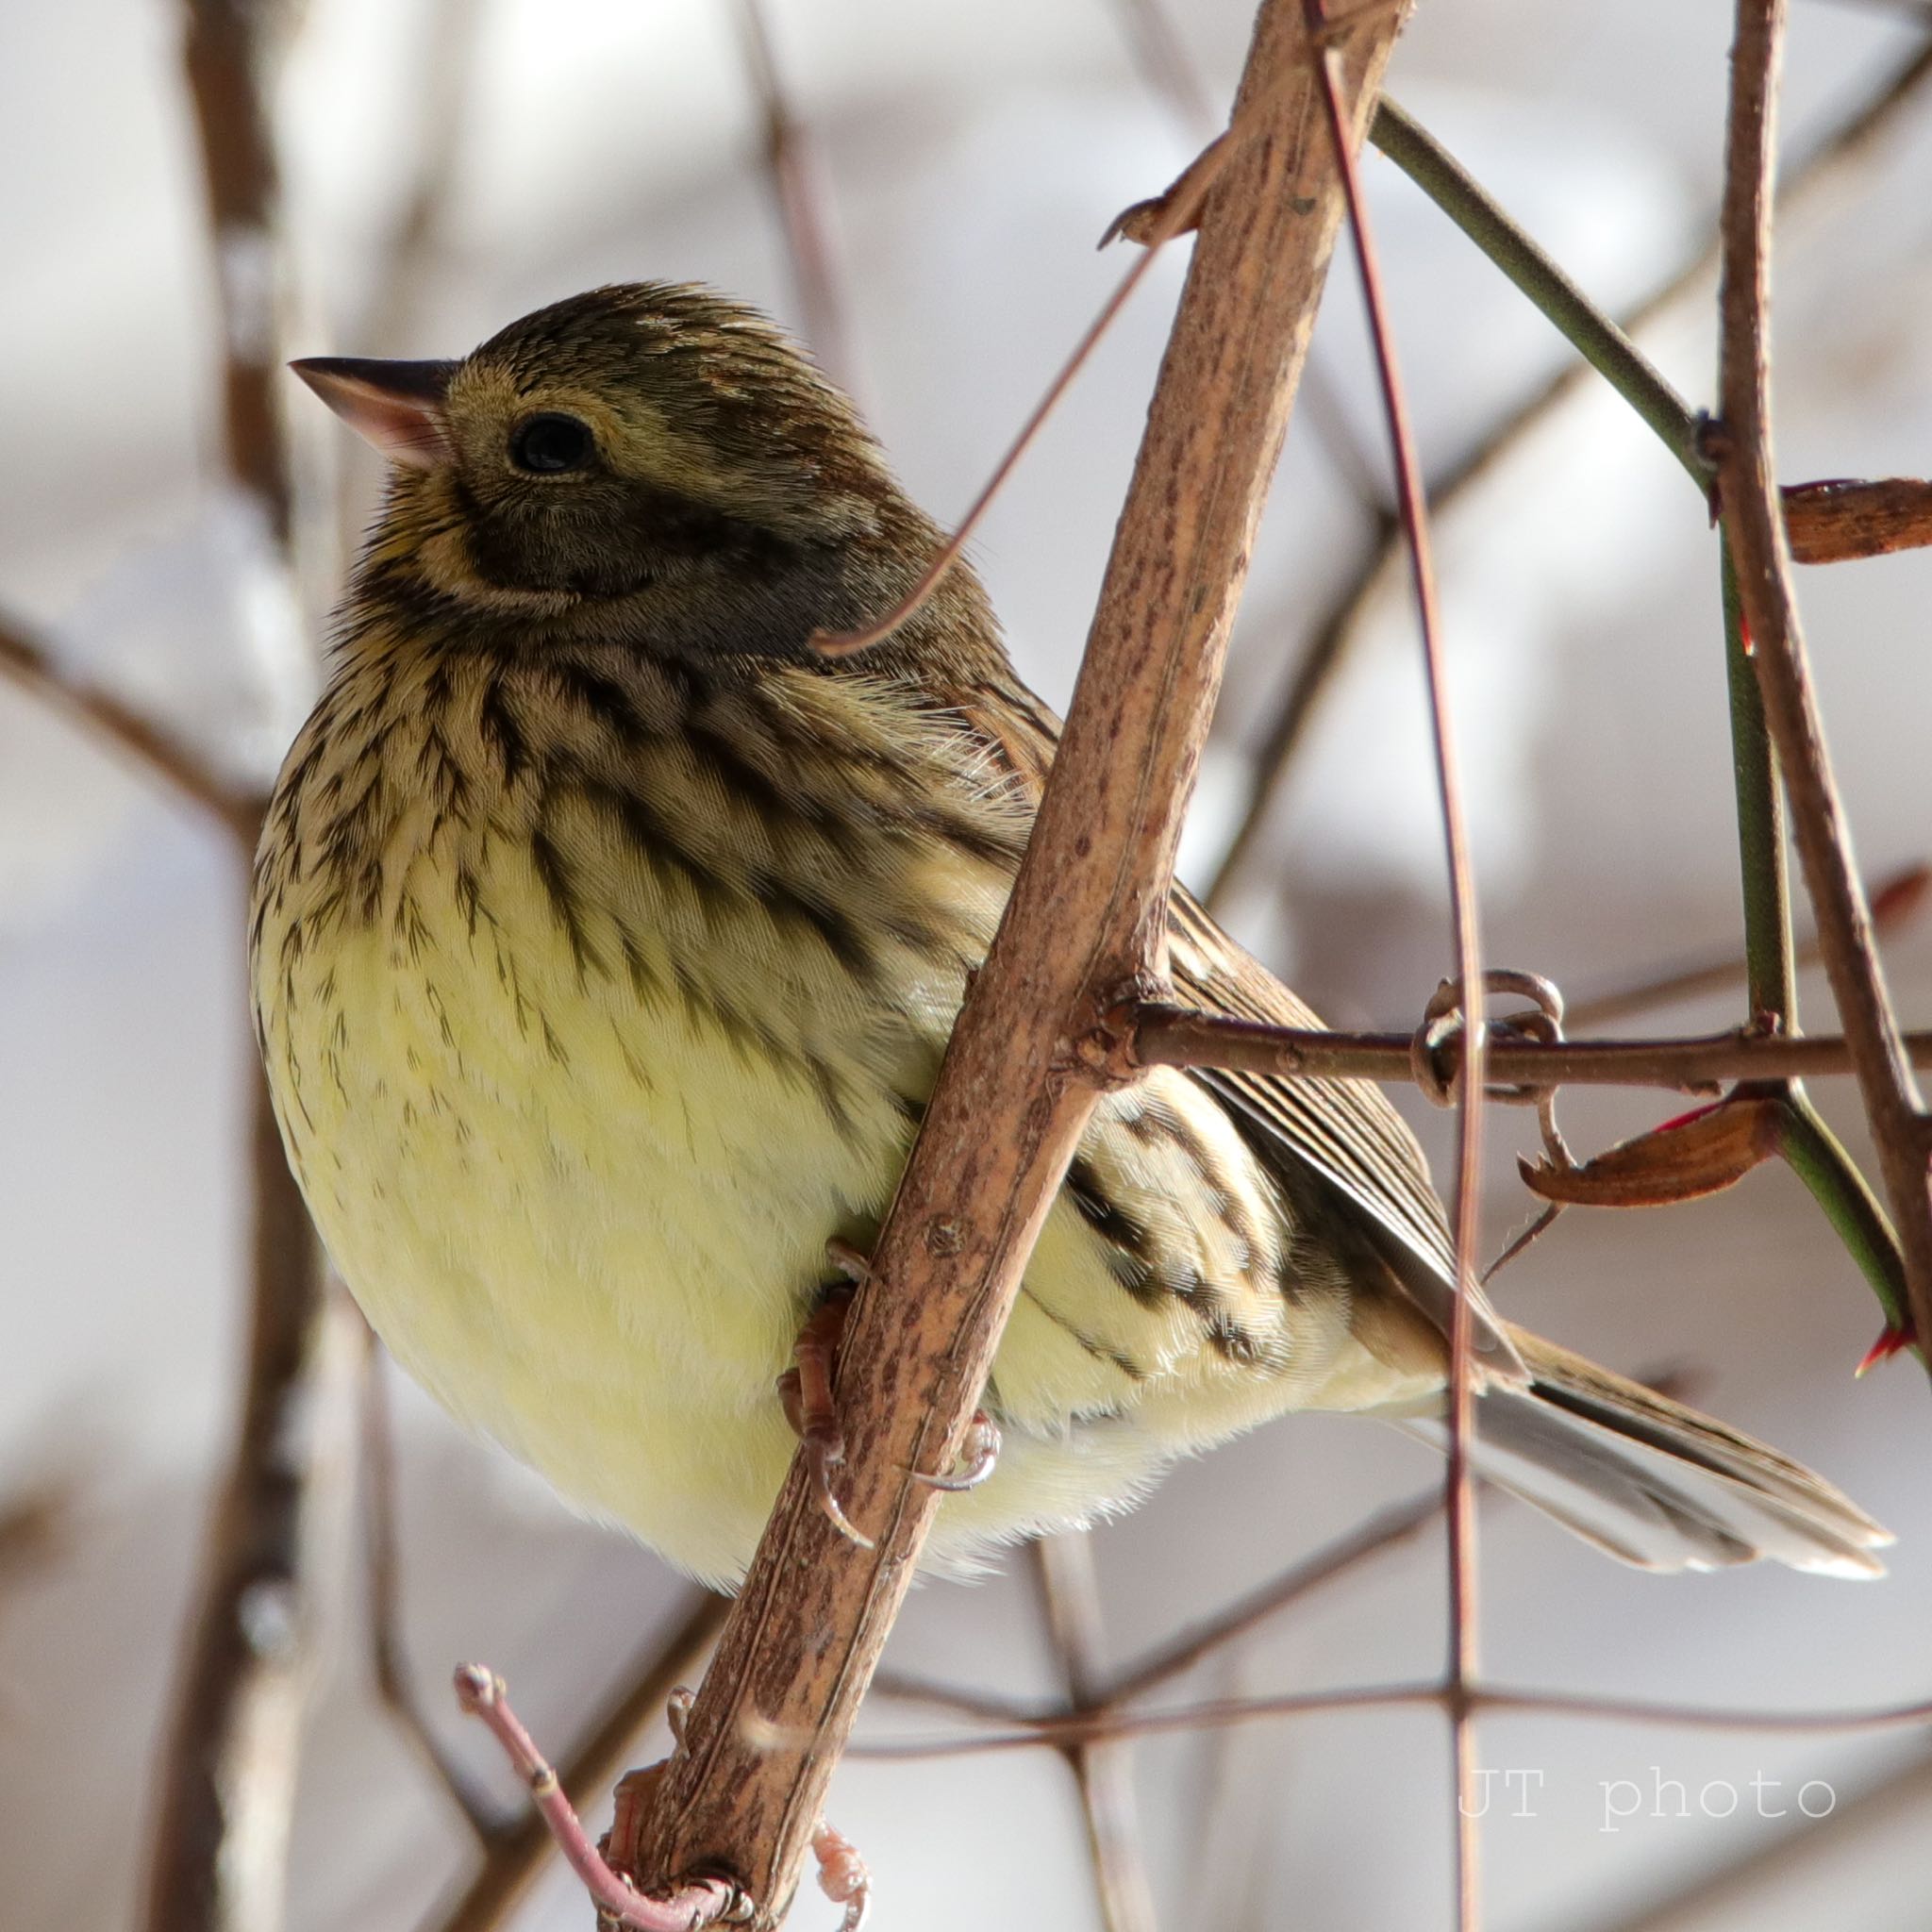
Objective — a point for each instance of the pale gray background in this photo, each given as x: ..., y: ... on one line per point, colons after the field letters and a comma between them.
x: 974, y: 152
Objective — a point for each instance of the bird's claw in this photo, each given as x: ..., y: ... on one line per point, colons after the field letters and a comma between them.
x: 980, y: 1455
x: 805, y: 1390
x: 825, y: 1451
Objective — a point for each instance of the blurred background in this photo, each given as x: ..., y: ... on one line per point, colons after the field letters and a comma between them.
x: 452, y: 163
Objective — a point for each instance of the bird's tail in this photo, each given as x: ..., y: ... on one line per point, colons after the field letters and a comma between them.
x: 1654, y: 1482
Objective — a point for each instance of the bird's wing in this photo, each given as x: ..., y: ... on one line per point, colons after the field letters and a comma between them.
x: 1344, y: 1132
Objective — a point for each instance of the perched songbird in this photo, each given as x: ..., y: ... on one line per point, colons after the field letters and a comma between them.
x: 606, y: 938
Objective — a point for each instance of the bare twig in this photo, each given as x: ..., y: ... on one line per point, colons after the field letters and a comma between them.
x: 1754, y: 529
x: 516, y: 1851
x: 227, y: 1773
x: 383, y: 1558
x: 441, y: 100
x: 1460, y: 1492
x: 1387, y: 1530
x: 1342, y: 1558
x: 1070, y: 1594
x: 226, y: 1788
x: 1057, y: 1730
x: 1182, y: 1037
x: 1174, y: 213
x: 795, y: 177
x: 1164, y: 61
x: 1085, y: 923
x: 481, y: 1693
x: 1897, y: 901
x: 1847, y: 148
x: 121, y: 730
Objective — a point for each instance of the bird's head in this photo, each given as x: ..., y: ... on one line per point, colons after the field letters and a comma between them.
x: 651, y: 456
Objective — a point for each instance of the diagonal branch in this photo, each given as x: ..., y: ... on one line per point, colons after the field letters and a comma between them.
x: 122, y: 730
x: 1085, y: 923
x: 1753, y: 530
x: 1826, y: 523
x: 794, y: 177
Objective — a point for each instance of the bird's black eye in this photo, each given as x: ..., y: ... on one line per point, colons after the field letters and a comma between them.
x: 551, y: 442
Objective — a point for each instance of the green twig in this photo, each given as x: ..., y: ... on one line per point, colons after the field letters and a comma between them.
x: 1815, y: 1155
x: 1592, y: 333
x: 1807, y: 1143
x: 1769, y: 966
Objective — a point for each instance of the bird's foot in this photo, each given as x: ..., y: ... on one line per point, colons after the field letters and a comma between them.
x: 805, y: 1391
x: 980, y: 1455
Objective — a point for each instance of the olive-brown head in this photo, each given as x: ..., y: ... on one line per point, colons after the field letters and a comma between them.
x: 651, y: 459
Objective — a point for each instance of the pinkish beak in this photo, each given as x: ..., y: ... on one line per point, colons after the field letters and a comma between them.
x: 396, y: 407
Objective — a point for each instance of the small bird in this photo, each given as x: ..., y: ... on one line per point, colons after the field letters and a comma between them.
x: 607, y: 935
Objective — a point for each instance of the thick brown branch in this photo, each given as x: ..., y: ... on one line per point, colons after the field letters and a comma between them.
x: 1085, y: 923
x: 1754, y: 527
x: 1181, y: 1037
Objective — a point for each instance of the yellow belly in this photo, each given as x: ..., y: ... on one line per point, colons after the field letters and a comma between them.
x: 581, y: 1174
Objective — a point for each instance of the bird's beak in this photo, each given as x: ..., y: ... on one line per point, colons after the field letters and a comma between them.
x: 396, y: 407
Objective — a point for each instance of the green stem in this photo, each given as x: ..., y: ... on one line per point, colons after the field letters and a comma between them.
x: 1814, y: 1154
x: 1807, y: 1143
x: 1769, y: 966
x: 1593, y: 334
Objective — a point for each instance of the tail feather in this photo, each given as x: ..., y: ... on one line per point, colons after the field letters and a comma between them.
x: 1656, y: 1483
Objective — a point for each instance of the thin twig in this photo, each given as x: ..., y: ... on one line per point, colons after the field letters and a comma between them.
x: 1387, y: 1530
x: 1164, y: 62
x: 1086, y: 921
x: 796, y: 178
x: 147, y: 748
x: 1070, y: 1597
x: 517, y: 1852
x: 1607, y: 347
x: 440, y: 99
x: 1467, y: 944
x: 1848, y: 147
x: 1057, y: 1730
x: 481, y: 1694
x: 1182, y: 1037
x: 383, y: 1558
x: 1897, y: 901
x: 226, y: 1779
x: 1175, y: 212
x: 1753, y: 530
